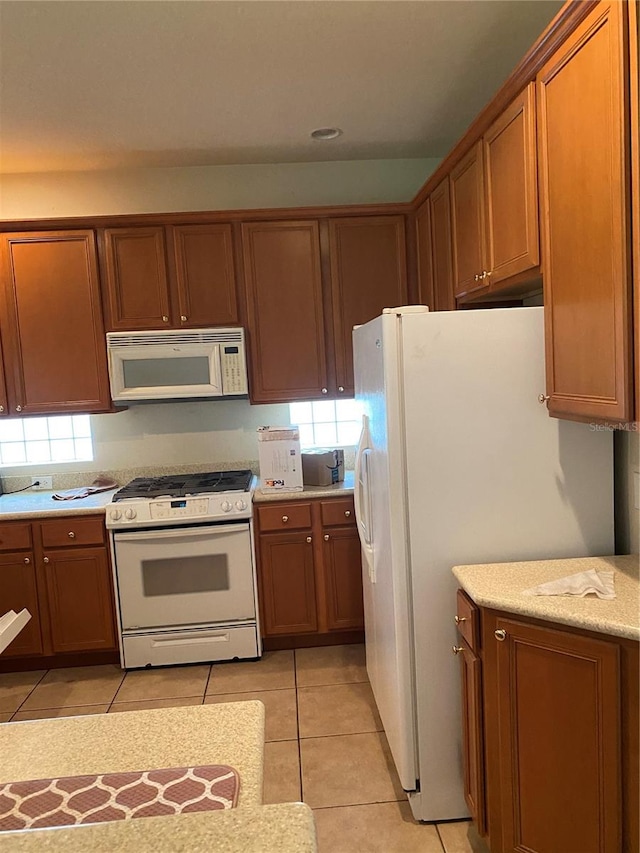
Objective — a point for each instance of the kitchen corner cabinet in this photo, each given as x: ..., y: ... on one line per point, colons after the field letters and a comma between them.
x: 494, y: 201
x: 181, y: 276
x: 53, y: 343
x: 309, y: 568
x: 550, y: 734
x: 585, y: 220
x: 308, y: 282
x: 59, y: 570
x: 433, y: 239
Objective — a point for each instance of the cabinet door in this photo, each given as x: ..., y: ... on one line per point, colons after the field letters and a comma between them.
x: 343, y: 579
x: 137, y: 288
x: 467, y: 221
x: 472, y: 736
x: 440, y: 205
x: 559, y: 722
x: 81, y: 605
x: 510, y: 179
x: 205, y: 275
x: 368, y: 273
x: 18, y: 589
x: 424, y: 256
x: 287, y: 583
x: 285, y: 311
x: 52, y: 331
x: 584, y: 219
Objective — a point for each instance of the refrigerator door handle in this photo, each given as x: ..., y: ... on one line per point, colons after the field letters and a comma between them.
x: 362, y: 500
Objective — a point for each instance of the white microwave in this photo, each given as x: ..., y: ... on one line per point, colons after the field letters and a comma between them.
x: 176, y: 365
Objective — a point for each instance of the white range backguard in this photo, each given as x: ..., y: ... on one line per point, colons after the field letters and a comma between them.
x: 464, y: 466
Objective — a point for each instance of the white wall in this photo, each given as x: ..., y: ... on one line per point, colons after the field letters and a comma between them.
x: 157, y: 190
x: 627, y: 456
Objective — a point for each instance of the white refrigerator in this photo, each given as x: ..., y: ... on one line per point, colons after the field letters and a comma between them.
x: 458, y: 463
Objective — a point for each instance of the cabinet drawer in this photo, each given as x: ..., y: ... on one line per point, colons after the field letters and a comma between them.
x: 289, y: 516
x: 67, y: 532
x: 336, y: 512
x: 468, y: 620
x: 15, y: 537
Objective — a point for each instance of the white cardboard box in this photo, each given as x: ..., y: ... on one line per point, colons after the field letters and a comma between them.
x: 280, y: 459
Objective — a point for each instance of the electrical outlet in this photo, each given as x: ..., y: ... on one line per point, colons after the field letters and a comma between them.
x: 43, y: 483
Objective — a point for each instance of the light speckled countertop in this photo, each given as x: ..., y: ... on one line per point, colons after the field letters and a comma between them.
x: 287, y: 828
x: 500, y: 585
x: 38, y: 503
x: 338, y: 490
x: 230, y: 733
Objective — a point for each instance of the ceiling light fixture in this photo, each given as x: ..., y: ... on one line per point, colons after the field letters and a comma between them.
x: 325, y: 133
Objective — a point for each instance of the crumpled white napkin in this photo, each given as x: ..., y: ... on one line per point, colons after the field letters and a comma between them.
x: 582, y: 583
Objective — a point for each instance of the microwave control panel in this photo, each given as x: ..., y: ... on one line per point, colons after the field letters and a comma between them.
x: 234, y: 369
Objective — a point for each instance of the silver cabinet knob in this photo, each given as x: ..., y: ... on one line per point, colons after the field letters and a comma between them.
x: 476, y: 277
x: 27, y: 561
x: 324, y: 391
x: 459, y: 619
x: 500, y: 635
x: 18, y: 408
x: 1, y: 408
x: 347, y: 513
x: 309, y: 539
x: 340, y: 388
x: 326, y: 537
x: 165, y: 319
x: 457, y: 649
x: 487, y: 274
x: 71, y: 534
x: 183, y: 319
x: 285, y: 518
x: 543, y: 398
x: 46, y: 560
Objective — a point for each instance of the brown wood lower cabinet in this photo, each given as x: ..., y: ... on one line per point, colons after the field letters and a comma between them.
x: 65, y: 583
x: 310, y: 578
x: 550, y: 725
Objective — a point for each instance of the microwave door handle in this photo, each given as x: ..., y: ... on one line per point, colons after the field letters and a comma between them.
x: 179, y: 533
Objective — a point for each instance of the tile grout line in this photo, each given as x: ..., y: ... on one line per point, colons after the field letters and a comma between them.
x: 295, y: 683
x: 40, y: 680
x: 206, y: 687
x: 444, y: 849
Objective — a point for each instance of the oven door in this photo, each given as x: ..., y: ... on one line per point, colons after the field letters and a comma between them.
x: 184, y: 576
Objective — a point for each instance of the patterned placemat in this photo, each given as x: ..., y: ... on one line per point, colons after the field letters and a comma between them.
x: 117, y: 796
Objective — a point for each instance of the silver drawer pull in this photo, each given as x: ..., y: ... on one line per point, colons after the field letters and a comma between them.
x: 71, y: 534
x: 27, y: 561
x: 326, y: 537
x: 285, y: 518
x: 309, y: 539
x: 459, y: 619
x: 500, y: 635
x: 457, y: 649
x: 46, y: 560
x: 347, y: 513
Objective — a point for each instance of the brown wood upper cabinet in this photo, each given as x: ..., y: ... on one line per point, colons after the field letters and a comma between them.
x: 368, y: 273
x: 301, y: 310
x: 51, y: 322
x: 495, y: 203
x: 585, y: 220
x: 433, y: 239
x: 285, y: 310
x: 179, y: 277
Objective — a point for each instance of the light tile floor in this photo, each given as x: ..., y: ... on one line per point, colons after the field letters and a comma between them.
x: 324, y: 738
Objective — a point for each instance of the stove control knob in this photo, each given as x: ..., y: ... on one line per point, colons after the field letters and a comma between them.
x: 240, y: 505
x: 225, y: 506
x: 130, y: 513
x: 115, y: 515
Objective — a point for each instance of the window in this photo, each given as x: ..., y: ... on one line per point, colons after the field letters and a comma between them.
x: 327, y: 423
x: 34, y: 441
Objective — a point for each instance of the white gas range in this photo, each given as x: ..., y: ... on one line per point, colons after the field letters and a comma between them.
x: 184, y: 569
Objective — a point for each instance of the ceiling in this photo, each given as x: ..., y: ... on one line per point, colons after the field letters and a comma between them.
x: 102, y: 84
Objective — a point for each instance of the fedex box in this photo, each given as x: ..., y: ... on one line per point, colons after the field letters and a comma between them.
x: 279, y: 457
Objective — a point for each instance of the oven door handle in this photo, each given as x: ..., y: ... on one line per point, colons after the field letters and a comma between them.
x: 180, y: 533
